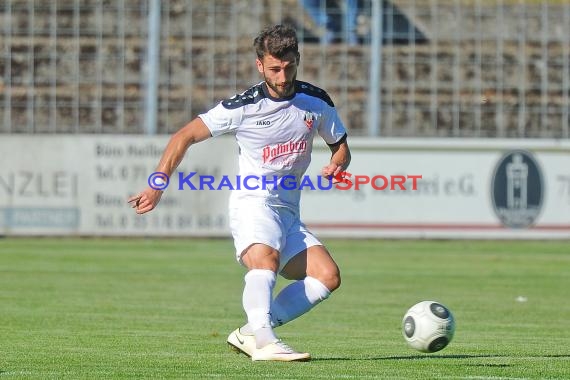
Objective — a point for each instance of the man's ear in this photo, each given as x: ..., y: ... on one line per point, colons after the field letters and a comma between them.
x: 259, y: 65
x: 298, y: 58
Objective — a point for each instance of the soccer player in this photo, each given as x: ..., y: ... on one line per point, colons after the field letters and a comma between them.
x: 274, y: 123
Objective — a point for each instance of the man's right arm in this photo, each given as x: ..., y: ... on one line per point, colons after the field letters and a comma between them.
x: 192, y: 133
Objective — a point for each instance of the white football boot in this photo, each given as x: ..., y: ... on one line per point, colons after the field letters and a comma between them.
x: 279, y: 351
x: 242, y: 343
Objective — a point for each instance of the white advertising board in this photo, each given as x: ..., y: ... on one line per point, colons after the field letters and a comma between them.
x: 78, y: 185
x: 60, y: 185
x: 468, y: 189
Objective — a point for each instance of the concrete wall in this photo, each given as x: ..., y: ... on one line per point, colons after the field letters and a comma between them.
x: 464, y: 82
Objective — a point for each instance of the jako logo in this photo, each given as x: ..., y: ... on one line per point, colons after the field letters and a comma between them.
x: 263, y: 122
x: 517, y: 189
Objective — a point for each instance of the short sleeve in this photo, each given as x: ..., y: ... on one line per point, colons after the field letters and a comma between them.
x: 331, y: 128
x: 220, y: 119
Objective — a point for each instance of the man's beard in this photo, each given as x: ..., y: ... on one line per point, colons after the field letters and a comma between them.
x: 282, y: 91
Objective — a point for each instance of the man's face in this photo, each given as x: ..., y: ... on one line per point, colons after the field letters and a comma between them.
x: 279, y: 74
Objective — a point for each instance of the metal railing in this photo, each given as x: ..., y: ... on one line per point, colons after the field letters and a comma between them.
x: 448, y: 68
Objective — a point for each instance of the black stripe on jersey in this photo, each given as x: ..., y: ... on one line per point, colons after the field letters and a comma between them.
x: 257, y: 93
x: 342, y: 139
x: 250, y: 96
x: 309, y: 89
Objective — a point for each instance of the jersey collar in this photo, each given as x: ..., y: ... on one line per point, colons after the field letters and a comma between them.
x: 268, y: 95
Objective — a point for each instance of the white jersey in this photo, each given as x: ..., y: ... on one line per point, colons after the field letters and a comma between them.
x: 275, y: 138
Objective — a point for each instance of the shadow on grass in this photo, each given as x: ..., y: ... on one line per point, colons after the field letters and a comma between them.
x: 412, y: 357
x: 432, y: 357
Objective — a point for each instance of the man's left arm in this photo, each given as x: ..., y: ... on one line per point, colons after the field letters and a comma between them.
x: 340, y: 159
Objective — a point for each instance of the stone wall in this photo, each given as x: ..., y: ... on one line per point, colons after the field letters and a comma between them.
x: 92, y: 78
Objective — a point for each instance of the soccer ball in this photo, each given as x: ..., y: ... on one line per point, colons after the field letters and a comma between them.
x: 428, y: 326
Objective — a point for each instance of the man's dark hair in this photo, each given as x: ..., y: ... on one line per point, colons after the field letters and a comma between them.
x: 277, y: 40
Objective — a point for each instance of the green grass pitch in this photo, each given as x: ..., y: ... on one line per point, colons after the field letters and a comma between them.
x: 144, y: 308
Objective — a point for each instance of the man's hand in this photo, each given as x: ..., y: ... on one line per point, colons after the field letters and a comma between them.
x: 145, y: 201
x: 193, y: 132
x: 332, y: 171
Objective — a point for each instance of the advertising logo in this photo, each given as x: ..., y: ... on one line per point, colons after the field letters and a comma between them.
x: 341, y: 181
x: 517, y: 189
x: 272, y: 152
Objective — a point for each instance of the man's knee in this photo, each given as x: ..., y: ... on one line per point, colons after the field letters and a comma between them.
x: 261, y: 256
x: 320, y: 265
x: 334, y: 280
x: 329, y: 276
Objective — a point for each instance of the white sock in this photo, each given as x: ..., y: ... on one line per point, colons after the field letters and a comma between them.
x: 257, y: 292
x: 294, y: 300
x: 297, y: 299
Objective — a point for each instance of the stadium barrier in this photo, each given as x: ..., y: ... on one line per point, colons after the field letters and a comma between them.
x: 469, y: 188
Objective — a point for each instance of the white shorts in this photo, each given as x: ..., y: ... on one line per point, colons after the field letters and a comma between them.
x: 278, y: 227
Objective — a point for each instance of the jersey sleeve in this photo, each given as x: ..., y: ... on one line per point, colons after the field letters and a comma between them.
x: 331, y: 128
x: 220, y: 119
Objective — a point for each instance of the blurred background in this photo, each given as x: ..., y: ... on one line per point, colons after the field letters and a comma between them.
x: 408, y: 76
x: 447, y: 68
